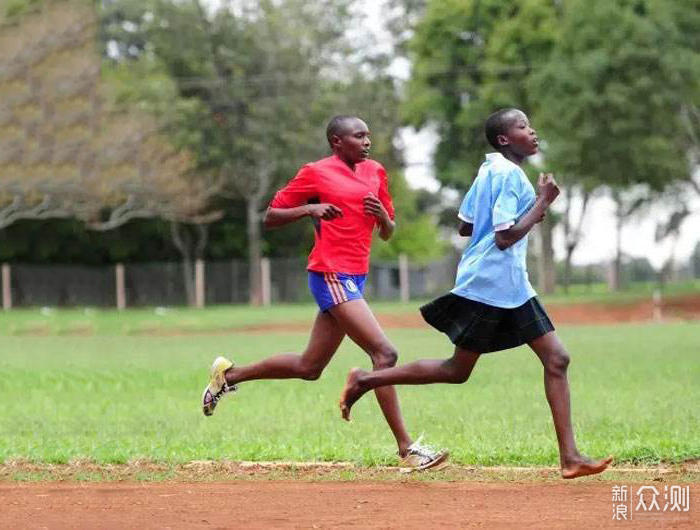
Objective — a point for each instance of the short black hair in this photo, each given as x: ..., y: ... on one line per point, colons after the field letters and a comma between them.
x: 498, y: 123
x: 337, y: 125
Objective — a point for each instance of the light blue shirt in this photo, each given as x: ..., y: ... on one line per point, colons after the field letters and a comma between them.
x: 500, y: 195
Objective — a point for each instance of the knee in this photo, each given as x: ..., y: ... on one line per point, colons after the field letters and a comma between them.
x: 458, y: 377
x: 455, y: 373
x: 558, y: 362
x: 385, y: 357
x: 311, y: 372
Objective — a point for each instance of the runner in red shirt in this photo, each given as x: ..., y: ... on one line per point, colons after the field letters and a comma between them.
x: 347, y: 196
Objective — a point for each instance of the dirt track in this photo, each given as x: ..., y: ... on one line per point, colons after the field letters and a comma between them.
x: 686, y: 307
x: 285, y: 504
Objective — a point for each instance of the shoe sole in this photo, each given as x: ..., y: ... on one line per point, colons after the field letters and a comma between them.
x: 434, y: 465
x: 206, y: 410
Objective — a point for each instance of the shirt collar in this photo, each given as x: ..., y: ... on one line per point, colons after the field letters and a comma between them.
x: 499, y: 158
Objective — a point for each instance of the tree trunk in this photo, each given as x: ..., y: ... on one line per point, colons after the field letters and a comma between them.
x: 614, y: 282
x: 191, y: 242
x: 188, y: 277
x: 254, y: 250
x: 546, y: 276
x: 572, y: 231
x: 567, y: 267
x: 667, y: 270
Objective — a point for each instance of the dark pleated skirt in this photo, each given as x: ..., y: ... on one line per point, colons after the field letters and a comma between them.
x: 483, y: 328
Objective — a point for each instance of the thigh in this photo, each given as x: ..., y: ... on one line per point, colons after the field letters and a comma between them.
x: 356, y: 319
x: 326, y: 336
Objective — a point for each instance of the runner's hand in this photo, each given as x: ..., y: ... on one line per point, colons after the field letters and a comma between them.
x: 373, y: 206
x: 547, y: 188
x: 325, y: 211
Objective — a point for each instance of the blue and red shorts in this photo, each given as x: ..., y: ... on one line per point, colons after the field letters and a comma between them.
x: 333, y: 288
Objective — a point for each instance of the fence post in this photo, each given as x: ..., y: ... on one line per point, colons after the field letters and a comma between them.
x: 6, y: 287
x: 199, y: 283
x: 265, y: 281
x: 121, y: 286
x: 404, y: 286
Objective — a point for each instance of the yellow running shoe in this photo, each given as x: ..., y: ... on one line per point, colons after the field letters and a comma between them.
x: 217, y: 386
x: 421, y: 457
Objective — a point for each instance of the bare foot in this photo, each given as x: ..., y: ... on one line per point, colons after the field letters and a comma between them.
x: 585, y: 466
x: 351, y: 392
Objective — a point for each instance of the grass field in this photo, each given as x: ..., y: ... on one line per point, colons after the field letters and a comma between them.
x: 116, y: 396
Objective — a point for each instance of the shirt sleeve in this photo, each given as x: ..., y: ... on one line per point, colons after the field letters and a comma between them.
x: 466, y: 210
x: 384, y: 195
x: 505, y: 206
x: 298, y: 191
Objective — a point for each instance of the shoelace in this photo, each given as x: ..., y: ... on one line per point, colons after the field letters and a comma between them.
x: 422, y: 450
x: 224, y: 389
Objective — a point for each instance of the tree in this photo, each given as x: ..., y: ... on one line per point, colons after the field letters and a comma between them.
x: 448, y: 50
x: 684, y: 18
x: 43, y: 109
x: 259, y: 83
x: 71, y: 152
x: 143, y: 176
x: 524, y: 41
x: 614, y: 97
x: 695, y: 261
x: 471, y: 58
x: 250, y: 73
x: 416, y: 234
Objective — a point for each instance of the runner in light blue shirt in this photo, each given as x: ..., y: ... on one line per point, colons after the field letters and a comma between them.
x: 499, y: 196
x: 493, y: 306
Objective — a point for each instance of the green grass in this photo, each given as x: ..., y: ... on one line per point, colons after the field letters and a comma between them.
x: 87, y: 321
x: 115, y: 397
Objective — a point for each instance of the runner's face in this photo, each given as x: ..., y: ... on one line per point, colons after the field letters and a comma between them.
x: 354, y: 143
x: 521, y: 137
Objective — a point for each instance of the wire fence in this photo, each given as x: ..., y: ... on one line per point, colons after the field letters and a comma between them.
x: 222, y: 282
x: 227, y: 282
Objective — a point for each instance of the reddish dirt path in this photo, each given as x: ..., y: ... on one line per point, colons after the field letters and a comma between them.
x: 686, y: 307
x: 285, y: 504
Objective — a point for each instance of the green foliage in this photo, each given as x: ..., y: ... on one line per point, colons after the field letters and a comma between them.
x: 244, y: 91
x: 250, y: 80
x: 448, y: 49
x: 416, y: 233
x: 613, y: 89
x: 250, y: 94
x: 11, y: 9
x: 605, y: 82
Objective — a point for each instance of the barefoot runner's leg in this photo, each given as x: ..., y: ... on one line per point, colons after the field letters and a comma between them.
x: 456, y: 369
x: 555, y: 361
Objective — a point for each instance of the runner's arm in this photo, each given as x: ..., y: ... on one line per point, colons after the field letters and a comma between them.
x: 548, y: 192
x: 275, y: 217
x: 386, y: 228
x: 465, y: 229
x: 373, y: 206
